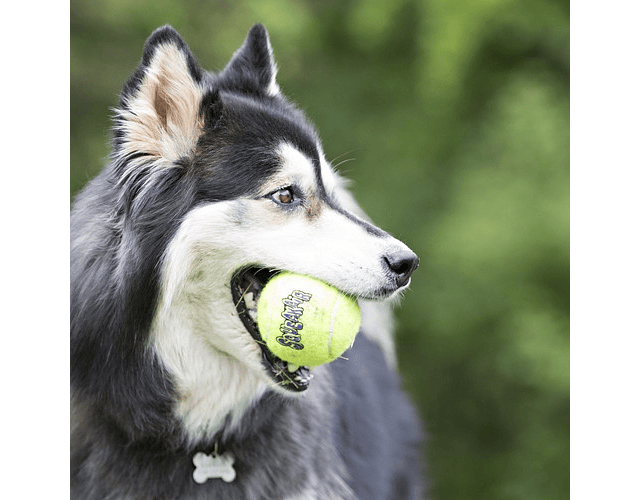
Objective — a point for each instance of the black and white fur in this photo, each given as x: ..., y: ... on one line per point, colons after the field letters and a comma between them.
x: 210, y: 175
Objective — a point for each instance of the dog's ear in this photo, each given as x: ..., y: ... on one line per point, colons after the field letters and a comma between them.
x: 159, y: 112
x: 252, y: 68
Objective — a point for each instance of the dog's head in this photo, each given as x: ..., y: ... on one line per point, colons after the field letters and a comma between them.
x: 225, y: 183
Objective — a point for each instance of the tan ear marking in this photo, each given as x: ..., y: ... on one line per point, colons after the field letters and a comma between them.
x: 161, y: 118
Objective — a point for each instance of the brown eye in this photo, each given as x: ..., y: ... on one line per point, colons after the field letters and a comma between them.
x: 283, y: 196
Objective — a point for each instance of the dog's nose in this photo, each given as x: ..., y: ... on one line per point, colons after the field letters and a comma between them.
x: 402, y: 263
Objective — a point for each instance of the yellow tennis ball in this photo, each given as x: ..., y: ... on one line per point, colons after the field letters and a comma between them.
x: 305, y: 321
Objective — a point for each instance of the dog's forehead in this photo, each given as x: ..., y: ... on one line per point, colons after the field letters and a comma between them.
x: 296, y: 167
x: 309, y: 170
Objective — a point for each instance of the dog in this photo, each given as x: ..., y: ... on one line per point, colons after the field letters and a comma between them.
x: 216, y: 183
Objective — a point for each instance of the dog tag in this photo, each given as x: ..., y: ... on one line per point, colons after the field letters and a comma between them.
x: 213, y: 466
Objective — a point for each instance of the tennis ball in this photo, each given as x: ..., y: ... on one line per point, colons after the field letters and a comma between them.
x: 305, y: 321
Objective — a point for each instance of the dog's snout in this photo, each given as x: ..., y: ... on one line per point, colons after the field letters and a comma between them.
x: 402, y: 263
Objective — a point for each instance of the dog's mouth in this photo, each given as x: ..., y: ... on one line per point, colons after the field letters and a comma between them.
x: 246, y: 286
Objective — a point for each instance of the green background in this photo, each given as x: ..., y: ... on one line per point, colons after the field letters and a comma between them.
x: 452, y: 119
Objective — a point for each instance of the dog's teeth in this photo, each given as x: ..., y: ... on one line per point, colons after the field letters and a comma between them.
x: 303, y: 377
x: 291, y: 367
x: 249, y: 300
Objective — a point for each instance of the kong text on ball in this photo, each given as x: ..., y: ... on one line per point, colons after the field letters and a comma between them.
x: 305, y: 321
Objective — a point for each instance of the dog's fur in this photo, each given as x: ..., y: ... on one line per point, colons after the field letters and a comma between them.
x: 212, y: 174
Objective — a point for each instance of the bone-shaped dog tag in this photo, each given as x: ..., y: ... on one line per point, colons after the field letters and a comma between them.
x: 213, y: 466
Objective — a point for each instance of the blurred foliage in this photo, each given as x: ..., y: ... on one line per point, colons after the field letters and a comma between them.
x: 452, y: 119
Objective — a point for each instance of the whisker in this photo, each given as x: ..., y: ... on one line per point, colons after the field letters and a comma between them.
x: 242, y: 295
x: 343, y: 161
x: 341, y: 155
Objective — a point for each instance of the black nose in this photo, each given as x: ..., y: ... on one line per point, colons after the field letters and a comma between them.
x: 402, y: 263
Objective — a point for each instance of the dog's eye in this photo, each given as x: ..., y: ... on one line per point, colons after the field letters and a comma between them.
x: 284, y: 196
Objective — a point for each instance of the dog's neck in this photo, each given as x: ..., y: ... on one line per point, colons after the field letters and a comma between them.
x: 201, y: 348
x: 214, y: 390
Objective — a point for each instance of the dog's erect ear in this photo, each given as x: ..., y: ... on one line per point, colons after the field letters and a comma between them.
x: 159, y: 113
x: 252, y: 68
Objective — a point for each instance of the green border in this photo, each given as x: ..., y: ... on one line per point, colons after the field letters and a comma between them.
x: 35, y: 198
x: 604, y: 269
